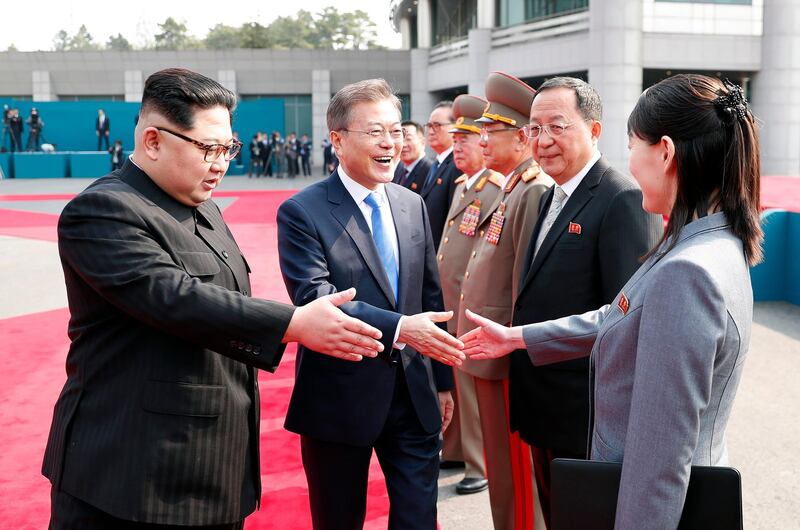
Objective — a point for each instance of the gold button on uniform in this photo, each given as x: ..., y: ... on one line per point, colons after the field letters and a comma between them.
x: 441, y: 257
x: 446, y: 239
x: 462, y: 195
x: 462, y: 296
x: 482, y: 231
x: 474, y: 253
x: 467, y: 274
x: 450, y: 223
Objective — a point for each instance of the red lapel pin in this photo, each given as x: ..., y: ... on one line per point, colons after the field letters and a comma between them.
x: 413, y: 185
x: 623, y: 303
x: 574, y: 228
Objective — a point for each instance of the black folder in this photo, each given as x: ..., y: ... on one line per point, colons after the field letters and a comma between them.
x: 584, y: 496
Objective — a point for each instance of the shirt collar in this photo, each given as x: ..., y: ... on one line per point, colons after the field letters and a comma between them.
x: 440, y: 157
x: 471, y: 180
x: 572, y: 184
x: 356, y: 190
x: 413, y: 164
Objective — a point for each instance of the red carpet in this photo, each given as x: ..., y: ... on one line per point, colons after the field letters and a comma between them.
x: 32, y: 374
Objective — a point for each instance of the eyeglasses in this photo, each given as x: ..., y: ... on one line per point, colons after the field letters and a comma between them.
x: 212, y: 151
x: 552, y: 129
x: 395, y: 135
x: 435, y: 126
x: 486, y: 132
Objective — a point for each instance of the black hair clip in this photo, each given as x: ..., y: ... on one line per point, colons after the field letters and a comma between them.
x: 733, y: 104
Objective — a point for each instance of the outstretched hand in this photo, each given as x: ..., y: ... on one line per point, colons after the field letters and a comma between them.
x: 421, y: 333
x: 323, y: 327
x: 490, y: 340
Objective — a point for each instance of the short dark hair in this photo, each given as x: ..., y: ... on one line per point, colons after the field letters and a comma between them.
x: 716, y: 153
x: 177, y: 93
x: 590, y: 106
x: 411, y: 123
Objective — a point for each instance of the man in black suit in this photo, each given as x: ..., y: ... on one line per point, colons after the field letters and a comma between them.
x: 102, y: 127
x: 414, y: 166
x: 158, y: 420
x: 588, y: 241
x: 358, y: 229
x: 439, y: 186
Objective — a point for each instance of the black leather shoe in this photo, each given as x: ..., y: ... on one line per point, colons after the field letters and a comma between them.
x: 451, y: 464
x: 471, y: 485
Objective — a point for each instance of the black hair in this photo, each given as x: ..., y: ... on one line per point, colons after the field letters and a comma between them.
x: 716, y: 152
x: 177, y: 93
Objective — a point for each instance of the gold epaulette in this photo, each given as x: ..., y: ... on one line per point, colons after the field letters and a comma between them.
x: 496, y: 178
x: 513, y: 182
x: 462, y: 178
x: 531, y: 173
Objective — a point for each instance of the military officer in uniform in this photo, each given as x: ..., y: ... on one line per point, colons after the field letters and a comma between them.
x: 476, y: 189
x: 490, y: 284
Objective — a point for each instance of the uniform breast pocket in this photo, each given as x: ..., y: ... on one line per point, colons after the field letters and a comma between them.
x: 199, y: 264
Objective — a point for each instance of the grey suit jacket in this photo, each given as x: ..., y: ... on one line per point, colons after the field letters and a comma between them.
x: 666, y: 359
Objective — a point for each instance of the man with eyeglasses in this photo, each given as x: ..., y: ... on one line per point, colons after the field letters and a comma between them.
x: 588, y: 241
x: 439, y: 185
x: 489, y: 284
x: 414, y: 165
x: 358, y: 229
x: 157, y: 425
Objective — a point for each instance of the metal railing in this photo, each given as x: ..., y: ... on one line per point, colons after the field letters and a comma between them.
x: 449, y: 50
x: 541, y: 29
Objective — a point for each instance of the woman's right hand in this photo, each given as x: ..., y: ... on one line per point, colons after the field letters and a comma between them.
x: 490, y: 340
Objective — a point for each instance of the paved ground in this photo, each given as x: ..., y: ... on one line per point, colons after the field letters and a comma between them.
x: 762, y: 437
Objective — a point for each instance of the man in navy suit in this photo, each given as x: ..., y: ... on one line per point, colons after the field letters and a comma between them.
x: 440, y: 184
x: 357, y: 229
x: 415, y: 165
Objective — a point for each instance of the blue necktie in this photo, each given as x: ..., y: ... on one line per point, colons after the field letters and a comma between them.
x: 382, y: 241
x: 431, y: 174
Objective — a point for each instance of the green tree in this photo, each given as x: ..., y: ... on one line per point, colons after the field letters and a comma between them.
x: 61, y: 41
x: 118, y: 43
x: 293, y: 32
x: 254, y: 35
x: 82, y: 40
x: 222, y: 37
x: 359, y: 31
x: 175, y: 36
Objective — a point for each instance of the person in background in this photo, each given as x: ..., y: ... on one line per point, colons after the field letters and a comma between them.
x: 35, y: 126
x: 117, y: 155
x: 238, y: 158
x: 256, y: 163
x: 305, y: 154
x: 15, y: 128
x: 415, y: 165
x: 102, y: 128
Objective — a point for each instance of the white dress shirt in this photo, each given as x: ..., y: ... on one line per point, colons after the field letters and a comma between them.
x: 359, y: 193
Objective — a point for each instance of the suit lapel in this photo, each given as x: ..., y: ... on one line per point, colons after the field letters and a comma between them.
x: 350, y: 217
x: 217, y: 240
x: 582, y: 195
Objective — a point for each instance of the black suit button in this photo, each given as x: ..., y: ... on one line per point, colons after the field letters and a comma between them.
x: 248, y: 348
x: 245, y: 293
x: 225, y: 254
x: 232, y: 344
x: 257, y: 350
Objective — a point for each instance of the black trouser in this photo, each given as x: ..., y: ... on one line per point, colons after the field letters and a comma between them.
x: 409, y: 457
x: 306, y: 165
x: 70, y: 513
x: 102, y: 137
x: 542, y: 456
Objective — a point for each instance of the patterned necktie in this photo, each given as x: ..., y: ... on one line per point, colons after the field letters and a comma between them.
x: 431, y: 173
x: 382, y: 241
x: 559, y: 196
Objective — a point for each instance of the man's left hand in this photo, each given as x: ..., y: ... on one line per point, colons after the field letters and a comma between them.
x: 446, y: 405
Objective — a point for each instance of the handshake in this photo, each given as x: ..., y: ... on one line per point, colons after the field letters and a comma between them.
x: 321, y: 326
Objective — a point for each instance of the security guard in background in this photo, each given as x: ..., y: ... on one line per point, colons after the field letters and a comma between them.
x: 476, y: 190
x: 489, y: 287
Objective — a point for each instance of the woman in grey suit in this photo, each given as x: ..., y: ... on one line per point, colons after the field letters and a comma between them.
x: 667, y: 354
